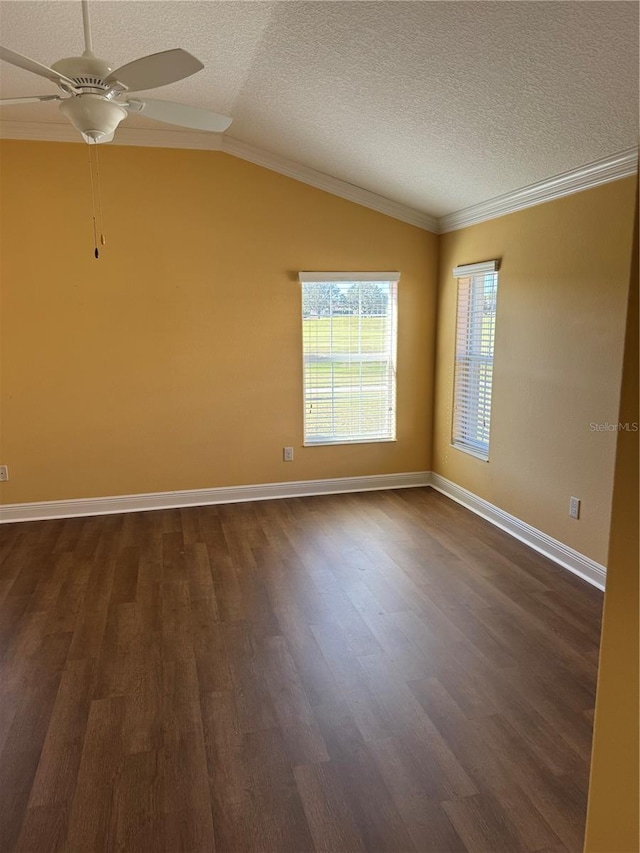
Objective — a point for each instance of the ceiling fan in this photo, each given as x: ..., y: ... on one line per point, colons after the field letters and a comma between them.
x: 96, y: 99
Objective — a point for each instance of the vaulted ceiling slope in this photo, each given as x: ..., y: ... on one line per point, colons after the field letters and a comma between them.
x: 435, y: 105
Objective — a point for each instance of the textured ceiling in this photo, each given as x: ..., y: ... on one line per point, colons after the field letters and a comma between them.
x: 437, y: 105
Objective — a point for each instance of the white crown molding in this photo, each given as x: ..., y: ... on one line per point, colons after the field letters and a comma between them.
x: 562, y: 554
x: 39, y: 131
x: 202, y: 497
x: 50, y: 132
x: 138, y: 136
x: 335, y: 186
x: 621, y: 165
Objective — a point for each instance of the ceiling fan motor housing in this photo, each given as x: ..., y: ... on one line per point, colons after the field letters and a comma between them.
x: 87, y: 72
x: 91, y: 112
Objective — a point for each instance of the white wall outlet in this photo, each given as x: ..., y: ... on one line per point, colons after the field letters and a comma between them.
x: 287, y: 454
x: 574, y: 508
x: 4, y: 473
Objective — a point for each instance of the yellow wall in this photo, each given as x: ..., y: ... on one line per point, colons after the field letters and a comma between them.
x: 612, y: 819
x: 174, y: 362
x: 562, y: 296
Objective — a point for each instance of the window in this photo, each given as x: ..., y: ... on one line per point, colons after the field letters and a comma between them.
x: 349, y: 332
x: 475, y: 329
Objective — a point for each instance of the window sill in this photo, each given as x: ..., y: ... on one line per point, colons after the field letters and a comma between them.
x: 330, y: 442
x: 477, y: 454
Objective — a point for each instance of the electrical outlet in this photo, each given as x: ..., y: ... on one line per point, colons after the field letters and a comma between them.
x: 4, y: 473
x: 287, y: 454
x: 574, y: 508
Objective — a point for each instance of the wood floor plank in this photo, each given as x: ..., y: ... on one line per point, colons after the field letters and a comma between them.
x: 57, y: 773
x: 45, y: 828
x: 137, y: 819
x: 91, y: 820
x: 254, y: 705
x: 208, y: 646
x: 25, y: 737
x: 329, y: 816
x: 184, y: 795
x: 561, y: 802
x: 415, y: 797
x: 490, y: 774
x: 276, y: 820
x: 412, y: 725
x: 379, y: 822
x: 483, y: 825
x: 92, y: 618
x: 370, y: 672
x: 229, y: 777
x: 302, y: 737
x: 125, y: 579
x: 311, y: 665
x: 370, y: 718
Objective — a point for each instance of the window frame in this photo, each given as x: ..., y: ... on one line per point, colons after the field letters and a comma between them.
x: 392, y: 278
x: 474, y: 272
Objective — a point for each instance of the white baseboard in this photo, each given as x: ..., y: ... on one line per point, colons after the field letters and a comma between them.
x: 576, y: 562
x: 201, y: 497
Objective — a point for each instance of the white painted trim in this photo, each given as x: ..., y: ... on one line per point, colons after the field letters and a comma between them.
x: 562, y: 554
x: 348, y: 276
x: 161, y: 138
x: 566, y: 557
x: 136, y: 136
x: 329, y: 184
x: 603, y: 171
x: 621, y: 165
x: 202, y: 497
x: 474, y: 269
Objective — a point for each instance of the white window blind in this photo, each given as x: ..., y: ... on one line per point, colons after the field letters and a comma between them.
x: 349, y: 335
x: 475, y: 331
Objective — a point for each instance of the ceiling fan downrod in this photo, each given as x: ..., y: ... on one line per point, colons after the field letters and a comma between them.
x: 86, y: 24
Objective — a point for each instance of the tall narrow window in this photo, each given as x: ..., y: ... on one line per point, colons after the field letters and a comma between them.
x: 349, y: 332
x: 475, y: 330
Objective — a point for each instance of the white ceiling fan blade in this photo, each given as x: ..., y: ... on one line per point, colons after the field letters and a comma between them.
x: 36, y: 68
x: 5, y: 102
x: 180, y: 114
x: 157, y: 69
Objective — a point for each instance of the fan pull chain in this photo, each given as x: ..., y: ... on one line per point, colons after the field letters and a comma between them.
x: 96, y: 190
x: 96, y: 251
x: 99, y: 185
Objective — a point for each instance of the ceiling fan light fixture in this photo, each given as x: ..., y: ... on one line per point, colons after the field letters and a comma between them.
x: 94, y: 137
x: 95, y: 117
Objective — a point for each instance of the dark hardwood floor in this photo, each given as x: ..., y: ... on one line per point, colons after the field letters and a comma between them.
x: 381, y: 672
